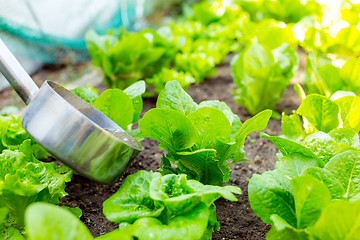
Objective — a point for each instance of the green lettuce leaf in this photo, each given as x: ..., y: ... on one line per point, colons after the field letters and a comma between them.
x: 282, y: 230
x: 291, y: 127
x: 295, y: 164
x: 345, y: 137
x: 157, y: 206
x: 204, y: 163
x: 297, y: 201
x: 321, y: 76
x: 271, y: 193
x: 262, y: 75
x: 108, y: 103
x: 320, y: 112
x: 287, y: 147
x: 132, y: 200
x: 289, y: 11
x: 172, y: 128
x: 12, y: 135
x: 210, y: 123
x: 124, y: 64
x: 233, y: 118
x: 179, y: 195
x: 135, y: 91
x: 339, y: 220
x: 189, y: 225
x: 198, y: 64
x: 46, y: 221
x: 346, y: 167
x: 174, y: 97
x: 349, y: 111
x: 256, y: 123
x: 199, y: 138
x: 166, y: 75
x: 311, y: 196
x: 322, y: 145
x: 129, y: 110
x: 89, y: 94
x: 24, y: 179
x: 350, y: 74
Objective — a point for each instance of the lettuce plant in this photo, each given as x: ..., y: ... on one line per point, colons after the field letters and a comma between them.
x: 261, y: 75
x: 279, y: 32
x: 343, y: 42
x: 324, y: 78
x: 89, y: 94
x: 289, y: 10
x: 124, y: 114
x: 283, y: 10
x: 24, y: 180
x: 317, y: 171
x: 320, y: 113
x: 47, y: 221
x: 199, y: 138
x: 123, y: 62
x: 12, y: 135
x: 310, y: 178
x: 198, y: 64
x: 214, y: 11
x: 148, y: 206
x: 151, y: 206
x: 166, y: 75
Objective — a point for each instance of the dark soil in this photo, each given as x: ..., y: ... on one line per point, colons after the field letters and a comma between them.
x: 237, y: 220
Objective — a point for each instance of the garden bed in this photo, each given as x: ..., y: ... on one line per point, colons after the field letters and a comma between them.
x: 237, y: 220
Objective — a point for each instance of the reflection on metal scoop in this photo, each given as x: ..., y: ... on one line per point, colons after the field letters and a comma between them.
x: 68, y: 127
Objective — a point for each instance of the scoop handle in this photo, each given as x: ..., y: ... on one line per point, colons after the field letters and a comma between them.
x: 16, y: 75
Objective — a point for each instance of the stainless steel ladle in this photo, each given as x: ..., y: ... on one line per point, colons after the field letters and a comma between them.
x: 68, y: 127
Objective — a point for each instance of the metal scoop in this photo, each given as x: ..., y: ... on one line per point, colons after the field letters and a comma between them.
x: 68, y: 127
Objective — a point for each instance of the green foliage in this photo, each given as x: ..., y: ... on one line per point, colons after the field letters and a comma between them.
x: 351, y: 75
x: 320, y: 113
x: 7, y: 230
x: 191, y: 45
x: 24, y: 179
x: 261, y: 75
x: 324, y: 78
x: 123, y: 62
x: 45, y: 221
x: 199, y: 65
x: 209, y: 47
x: 328, y: 227
x: 342, y: 42
x: 108, y: 102
x: 132, y: 201
x: 279, y: 32
x: 151, y: 206
x: 199, y: 138
x: 321, y: 76
x: 283, y: 10
x: 190, y: 225
x: 308, y: 177
x: 12, y: 134
x: 89, y: 94
x: 291, y: 127
x: 166, y: 75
